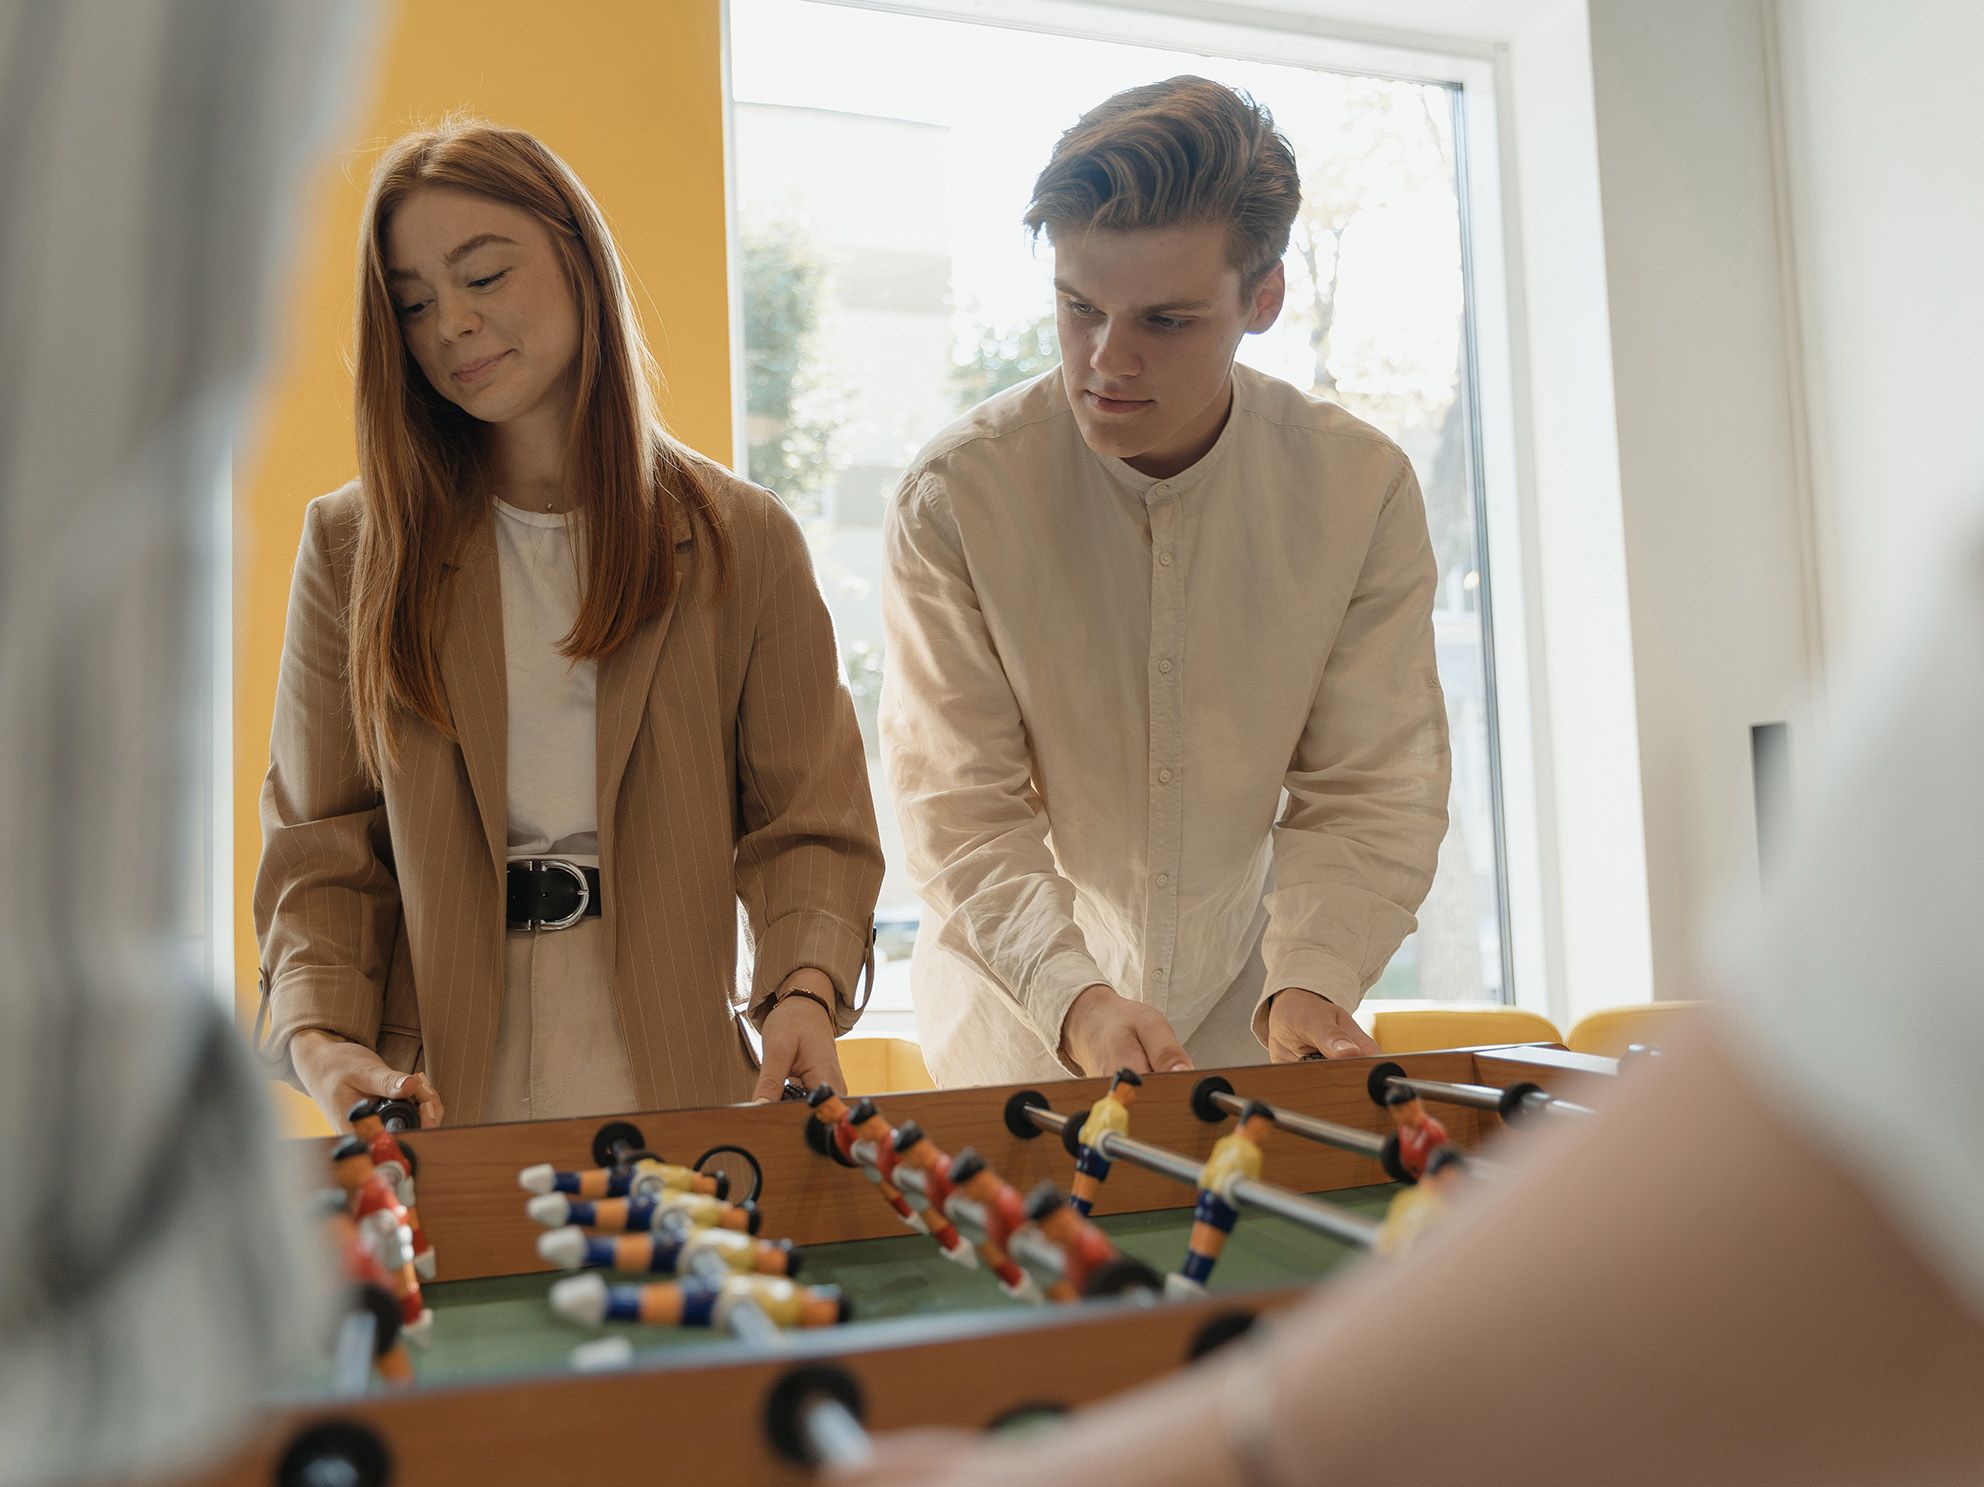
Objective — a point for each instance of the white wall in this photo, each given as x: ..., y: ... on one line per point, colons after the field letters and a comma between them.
x: 1715, y: 517
x: 1668, y: 557
x: 1884, y: 140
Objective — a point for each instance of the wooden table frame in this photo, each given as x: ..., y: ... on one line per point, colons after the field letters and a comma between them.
x: 696, y: 1416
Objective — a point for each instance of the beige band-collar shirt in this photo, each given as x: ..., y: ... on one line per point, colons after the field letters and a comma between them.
x: 1099, y: 686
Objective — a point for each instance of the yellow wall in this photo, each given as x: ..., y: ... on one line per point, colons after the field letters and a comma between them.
x: 629, y: 93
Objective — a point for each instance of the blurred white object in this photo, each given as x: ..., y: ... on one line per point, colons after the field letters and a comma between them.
x: 152, y: 1265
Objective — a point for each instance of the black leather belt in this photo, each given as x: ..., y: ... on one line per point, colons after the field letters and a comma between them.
x: 549, y: 893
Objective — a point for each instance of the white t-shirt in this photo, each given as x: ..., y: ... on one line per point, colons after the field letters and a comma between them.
x: 553, y: 714
x: 1860, y: 1004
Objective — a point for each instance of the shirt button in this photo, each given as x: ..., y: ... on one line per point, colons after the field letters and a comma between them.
x: 1164, y: 777
x: 1165, y: 667
x: 1158, y: 973
x: 1162, y: 879
x: 1160, y: 490
x: 1164, y: 558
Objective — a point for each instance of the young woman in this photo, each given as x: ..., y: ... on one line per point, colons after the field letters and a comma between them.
x: 556, y: 694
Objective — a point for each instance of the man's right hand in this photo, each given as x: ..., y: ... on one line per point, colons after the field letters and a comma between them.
x: 1104, y: 1032
x: 337, y: 1074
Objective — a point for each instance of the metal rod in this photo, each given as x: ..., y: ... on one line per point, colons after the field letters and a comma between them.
x: 1485, y: 1096
x: 351, y: 1360
x: 1548, y: 1104
x: 1338, y: 1223
x: 1329, y: 1133
x: 1324, y: 1218
x: 833, y: 1436
x: 1025, y: 1246
x: 743, y: 1318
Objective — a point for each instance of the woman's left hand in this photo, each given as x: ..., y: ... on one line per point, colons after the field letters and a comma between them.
x: 799, y: 1044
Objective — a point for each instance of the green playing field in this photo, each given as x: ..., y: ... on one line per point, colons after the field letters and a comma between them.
x: 504, y: 1325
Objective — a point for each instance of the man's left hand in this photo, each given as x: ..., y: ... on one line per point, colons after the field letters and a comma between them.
x: 1305, y: 1024
x: 799, y: 1044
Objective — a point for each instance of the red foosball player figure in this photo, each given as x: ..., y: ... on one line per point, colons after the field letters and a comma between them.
x: 832, y: 1112
x: 381, y: 1220
x: 639, y: 1215
x: 395, y: 1164
x: 1003, y: 1210
x: 696, y: 1302
x: 372, y: 1289
x: 643, y: 1177
x: 1419, y: 1134
x: 1234, y: 1156
x: 1421, y: 1207
x: 1110, y: 1113
x: 1084, y: 1248
x: 916, y: 1151
x: 879, y: 1138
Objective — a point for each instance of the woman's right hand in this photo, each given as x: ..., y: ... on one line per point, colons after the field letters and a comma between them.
x: 338, y: 1073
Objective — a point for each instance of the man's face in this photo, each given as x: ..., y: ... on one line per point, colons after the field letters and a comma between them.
x: 1149, y: 320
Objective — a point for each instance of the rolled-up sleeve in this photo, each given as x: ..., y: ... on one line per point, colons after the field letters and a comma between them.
x: 1356, y: 845
x: 809, y: 861
x: 975, y: 833
x: 327, y: 908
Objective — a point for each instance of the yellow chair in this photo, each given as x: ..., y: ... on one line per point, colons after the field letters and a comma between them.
x: 1422, y: 1029
x: 1609, y: 1033
x: 881, y: 1066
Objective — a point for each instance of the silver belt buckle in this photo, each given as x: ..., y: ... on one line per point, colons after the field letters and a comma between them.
x: 585, y: 895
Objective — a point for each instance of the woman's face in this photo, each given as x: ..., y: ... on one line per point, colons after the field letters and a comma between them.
x: 484, y: 305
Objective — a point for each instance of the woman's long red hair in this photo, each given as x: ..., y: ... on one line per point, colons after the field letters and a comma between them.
x: 423, y: 464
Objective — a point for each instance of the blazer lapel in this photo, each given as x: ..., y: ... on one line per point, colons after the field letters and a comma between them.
x: 474, y: 671
x: 625, y: 680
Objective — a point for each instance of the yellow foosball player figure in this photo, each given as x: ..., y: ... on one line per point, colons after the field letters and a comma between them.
x: 1416, y: 1210
x: 1233, y: 1157
x: 640, y: 1215
x: 697, y: 1302
x: 1110, y: 1113
x: 668, y: 1250
x: 643, y: 1176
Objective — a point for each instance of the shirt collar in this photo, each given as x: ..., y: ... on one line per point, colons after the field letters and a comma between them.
x: 1185, y: 481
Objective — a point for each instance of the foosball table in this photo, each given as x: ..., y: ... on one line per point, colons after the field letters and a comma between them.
x: 742, y: 1291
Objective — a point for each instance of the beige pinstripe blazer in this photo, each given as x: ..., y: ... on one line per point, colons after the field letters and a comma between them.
x: 730, y: 767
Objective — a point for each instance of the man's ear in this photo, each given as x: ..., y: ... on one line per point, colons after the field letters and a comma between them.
x: 1268, y: 298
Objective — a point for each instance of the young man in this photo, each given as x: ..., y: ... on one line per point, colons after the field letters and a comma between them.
x: 1127, y: 605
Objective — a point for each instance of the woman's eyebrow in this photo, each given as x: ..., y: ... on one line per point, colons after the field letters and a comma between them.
x: 480, y: 240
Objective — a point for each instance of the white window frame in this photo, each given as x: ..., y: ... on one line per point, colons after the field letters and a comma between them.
x: 1533, y: 940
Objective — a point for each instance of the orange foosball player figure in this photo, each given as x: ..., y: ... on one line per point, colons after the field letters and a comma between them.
x: 395, y: 1163
x: 916, y: 1151
x: 1420, y: 1208
x: 832, y: 1112
x: 1419, y: 1134
x: 381, y: 1220
x: 879, y: 1138
x: 372, y: 1289
x: 1110, y: 1113
x: 1085, y: 1249
x: 1234, y: 1156
x: 1003, y: 1211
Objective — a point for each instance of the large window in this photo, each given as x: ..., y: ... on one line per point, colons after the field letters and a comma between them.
x: 882, y: 164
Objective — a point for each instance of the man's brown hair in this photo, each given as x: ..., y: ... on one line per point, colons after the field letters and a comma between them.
x: 1175, y: 154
